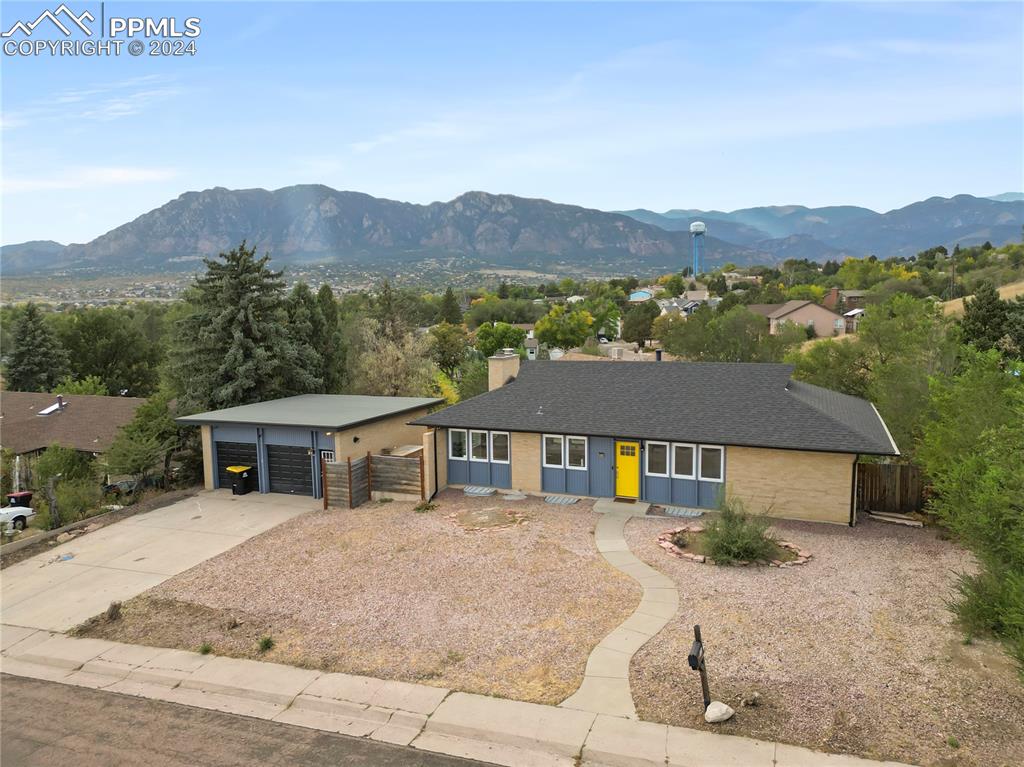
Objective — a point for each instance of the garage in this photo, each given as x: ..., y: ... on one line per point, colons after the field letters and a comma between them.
x: 285, y: 439
x: 233, y: 454
x: 290, y: 469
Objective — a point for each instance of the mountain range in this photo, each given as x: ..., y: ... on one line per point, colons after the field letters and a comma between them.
x: 309, y: 224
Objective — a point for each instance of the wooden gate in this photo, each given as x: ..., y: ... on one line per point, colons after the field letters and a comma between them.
x: 350, y: 483
x: 892, y: 487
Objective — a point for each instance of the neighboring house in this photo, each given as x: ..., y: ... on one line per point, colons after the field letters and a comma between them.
x: 803, y: 313
x: 843, y: 300
x: 682, y: 306
x: 852, y: 319
x: 31, y: 422
x: 575, y: 299
x: 532, y: 347
x: 678, y: 433
x: 285, y: 439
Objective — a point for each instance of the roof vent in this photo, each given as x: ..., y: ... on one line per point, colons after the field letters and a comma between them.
x: 56, y: 407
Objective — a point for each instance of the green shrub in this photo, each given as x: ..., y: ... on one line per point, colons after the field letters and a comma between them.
x: 266, y: 644
x: 424, y: 506
x: 735, y: 535
x: 205, y: 648
x: 70, y: 464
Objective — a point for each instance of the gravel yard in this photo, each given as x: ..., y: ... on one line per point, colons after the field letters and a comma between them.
x: 853, y: 652
x: 388, y: 592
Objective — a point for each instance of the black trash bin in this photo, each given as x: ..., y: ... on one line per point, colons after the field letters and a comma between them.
x: 242, y: 478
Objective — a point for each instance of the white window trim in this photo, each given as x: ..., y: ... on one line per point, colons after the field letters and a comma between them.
x: 700, y: 462
x: 465, y: 444
x: 586, y: 453
x: 647, y: 459
x: 544, y: 451
x: 487, y: 446
x: 693, y: 461
x: 508, y: 443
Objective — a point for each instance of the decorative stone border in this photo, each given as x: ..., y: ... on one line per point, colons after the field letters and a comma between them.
x: 665, y: 541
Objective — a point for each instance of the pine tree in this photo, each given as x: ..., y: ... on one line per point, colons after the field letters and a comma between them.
x: 303, y: 369
x: 450, y: 311
x: 985, y: 317
x: 385, y: 310
x: 331, y: 344
x: 37, y: 361
x: 230, y: 349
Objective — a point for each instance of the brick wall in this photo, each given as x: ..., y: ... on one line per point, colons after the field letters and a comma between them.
x: 791, y: 483
x: 526, y: 462
x: 374, y: 437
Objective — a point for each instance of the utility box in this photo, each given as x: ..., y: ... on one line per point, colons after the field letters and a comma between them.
x: 242, y: 478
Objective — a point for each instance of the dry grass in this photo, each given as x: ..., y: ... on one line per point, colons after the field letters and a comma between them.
x: 388, y: 592
x: 853, y: 652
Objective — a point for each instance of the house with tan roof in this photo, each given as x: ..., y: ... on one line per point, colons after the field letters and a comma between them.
x: 807, y: 314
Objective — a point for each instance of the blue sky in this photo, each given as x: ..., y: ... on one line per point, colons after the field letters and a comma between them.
x: 606, y: 105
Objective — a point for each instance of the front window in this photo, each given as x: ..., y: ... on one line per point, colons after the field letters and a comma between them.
x: 657, y: 459
x: 711, y: 459
x: 553, y: 452
x: 684, y: 459
x: 577, y: 452
x: 457, y: 444
x: 478, y: 445
x: 499, y: 447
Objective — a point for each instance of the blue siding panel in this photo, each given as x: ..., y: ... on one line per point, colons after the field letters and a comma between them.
x: 480, y: 473
x: 602, y: 467
x: 552, y: 480
x: 577, y: 482
x: 710, y: 494
x: 232, y: 433
x: 501, y: 475
x: 684, y: 492
x: 283, y: 435
x: 458, y: 472
x: 657, y: 489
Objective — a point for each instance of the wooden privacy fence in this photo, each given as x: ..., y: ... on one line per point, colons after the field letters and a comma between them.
x: 892, y: 487
x: 349, y: 483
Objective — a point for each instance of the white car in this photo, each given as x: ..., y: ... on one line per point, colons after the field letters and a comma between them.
x: 15, y: 517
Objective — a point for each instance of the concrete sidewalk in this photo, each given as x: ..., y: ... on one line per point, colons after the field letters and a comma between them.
x: 128, y: 557
x: 434, y: 719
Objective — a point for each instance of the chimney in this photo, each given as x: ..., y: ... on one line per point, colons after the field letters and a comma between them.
x: 832, y: 299
x: 60, y: 402
x: 502, y: 368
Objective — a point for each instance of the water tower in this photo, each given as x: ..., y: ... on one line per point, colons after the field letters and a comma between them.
x: 697, y: 230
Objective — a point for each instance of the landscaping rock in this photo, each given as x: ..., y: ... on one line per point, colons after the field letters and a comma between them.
x: 64, y: 537
x: 718, y: 712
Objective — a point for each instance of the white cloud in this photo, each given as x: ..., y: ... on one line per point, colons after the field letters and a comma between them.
x: 87, y: 177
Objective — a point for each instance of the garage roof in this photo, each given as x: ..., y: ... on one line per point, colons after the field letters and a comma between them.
x: 314, y: 411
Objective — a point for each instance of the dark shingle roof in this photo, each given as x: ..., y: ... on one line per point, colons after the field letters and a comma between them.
x: 725, y: 403
x: 89, y: 422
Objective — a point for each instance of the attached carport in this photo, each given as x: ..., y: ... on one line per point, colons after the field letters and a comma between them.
x: 285, y: 440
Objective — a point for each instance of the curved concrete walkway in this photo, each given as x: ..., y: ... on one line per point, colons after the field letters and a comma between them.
x: 605, y: 688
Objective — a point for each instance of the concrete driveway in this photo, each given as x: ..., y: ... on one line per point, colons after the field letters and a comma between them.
x: 126, y: 558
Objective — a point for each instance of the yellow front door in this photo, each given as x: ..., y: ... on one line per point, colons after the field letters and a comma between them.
x: 627, y: 469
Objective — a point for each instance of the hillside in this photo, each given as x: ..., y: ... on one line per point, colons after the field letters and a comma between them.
x: 314, y: 224
x: 795, y: 231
